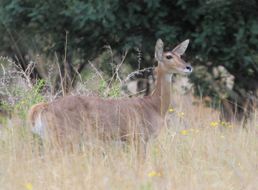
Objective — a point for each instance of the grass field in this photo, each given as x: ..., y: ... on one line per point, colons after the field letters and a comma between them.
x: 194, y: 151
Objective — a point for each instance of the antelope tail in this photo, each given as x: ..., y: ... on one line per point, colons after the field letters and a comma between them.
x: 35, y: 119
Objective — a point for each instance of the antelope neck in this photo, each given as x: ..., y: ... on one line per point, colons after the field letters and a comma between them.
x: 162, y: 91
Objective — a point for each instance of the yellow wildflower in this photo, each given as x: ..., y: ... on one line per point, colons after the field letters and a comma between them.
x: 214, y: 124
x: 222, y: 136
x: 226, y: 124
x: 171, y: 110
x: 184, y: 132
x: 28, y: 186
x: 223, y: 123
x: 154, y: 174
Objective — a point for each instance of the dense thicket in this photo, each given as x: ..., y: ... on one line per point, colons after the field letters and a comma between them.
x: 221, y: 32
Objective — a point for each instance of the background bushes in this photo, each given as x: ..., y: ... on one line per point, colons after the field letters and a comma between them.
x: 222, y: 33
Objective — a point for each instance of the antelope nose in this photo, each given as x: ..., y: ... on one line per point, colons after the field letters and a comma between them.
x: 189, y: 68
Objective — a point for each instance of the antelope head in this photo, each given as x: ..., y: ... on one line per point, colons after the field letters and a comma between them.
x: 171, y: 62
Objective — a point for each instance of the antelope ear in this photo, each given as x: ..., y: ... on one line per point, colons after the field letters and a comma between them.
x: 159, y: 50
x: 180, y: 49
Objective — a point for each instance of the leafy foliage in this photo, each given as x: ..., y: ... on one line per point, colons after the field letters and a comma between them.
x: 25, y: 99
x: 28, y: 99
x: 222, y: 32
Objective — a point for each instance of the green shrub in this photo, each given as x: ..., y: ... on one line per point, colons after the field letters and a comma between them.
x: 221, y: 33
x: 27, y: 99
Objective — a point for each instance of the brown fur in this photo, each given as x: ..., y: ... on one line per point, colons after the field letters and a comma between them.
x: 73, y: 118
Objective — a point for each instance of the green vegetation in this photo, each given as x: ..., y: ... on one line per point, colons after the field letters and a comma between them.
x: 28, y: 99
x: 221, y: 32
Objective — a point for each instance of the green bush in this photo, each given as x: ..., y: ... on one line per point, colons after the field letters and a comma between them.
x: 24, y: 100
x: 221, y: 32
x: 28, y: 98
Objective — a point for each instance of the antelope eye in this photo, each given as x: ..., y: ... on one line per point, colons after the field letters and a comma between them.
x: 169, y: 57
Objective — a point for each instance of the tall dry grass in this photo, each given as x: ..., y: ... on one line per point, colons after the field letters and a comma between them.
x: 194, y: 151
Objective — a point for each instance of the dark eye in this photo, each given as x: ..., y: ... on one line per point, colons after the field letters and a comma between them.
x: 169, y: 57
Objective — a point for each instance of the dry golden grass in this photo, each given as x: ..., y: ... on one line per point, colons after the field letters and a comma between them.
x: 194, y: 151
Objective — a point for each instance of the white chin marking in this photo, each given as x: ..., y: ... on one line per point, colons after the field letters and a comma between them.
x: 186, y: 71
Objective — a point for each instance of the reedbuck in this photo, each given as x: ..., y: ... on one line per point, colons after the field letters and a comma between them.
x: 73, y: 118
